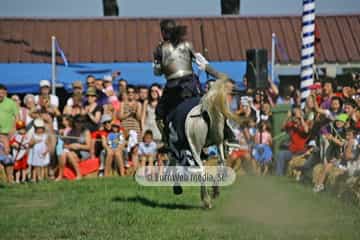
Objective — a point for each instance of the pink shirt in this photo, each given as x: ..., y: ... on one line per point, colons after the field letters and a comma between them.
x: 266, y: 138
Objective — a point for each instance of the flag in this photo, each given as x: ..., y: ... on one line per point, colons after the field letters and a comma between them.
x: 62, y: 54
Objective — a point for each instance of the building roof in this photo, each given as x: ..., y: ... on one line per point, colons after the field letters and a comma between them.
x: 133, y: 40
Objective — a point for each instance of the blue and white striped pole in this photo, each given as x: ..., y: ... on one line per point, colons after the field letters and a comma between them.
x: 307, y: 49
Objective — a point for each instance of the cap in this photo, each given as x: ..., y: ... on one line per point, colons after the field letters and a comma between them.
x: 91, y: 91
x: 77, y: 84
x: 116, y: 123
x: 20, y: 124
x: 44, y: 83
x: 343, y: 117
x: 314, y: 86
x: 39, y: 123
x: 106, y: 118
x: 107, y: 78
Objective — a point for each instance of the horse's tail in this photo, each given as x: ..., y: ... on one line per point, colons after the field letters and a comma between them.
x: 216, y: 98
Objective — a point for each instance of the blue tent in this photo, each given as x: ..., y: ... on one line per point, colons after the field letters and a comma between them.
x: 25, y: 77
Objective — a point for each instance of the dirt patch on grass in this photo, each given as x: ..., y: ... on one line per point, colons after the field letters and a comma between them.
x: 261, y: 200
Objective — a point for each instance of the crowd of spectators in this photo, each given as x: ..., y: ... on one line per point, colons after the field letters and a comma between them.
x: 39, y: 139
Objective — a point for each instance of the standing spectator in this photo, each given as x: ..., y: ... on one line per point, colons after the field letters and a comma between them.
x: 39, y: 156
x: 29, y: 107
x: 327, y: 93
x: 17, y: 100
x: 20, y: 149
x: 9, y: 114
x: 90, y: 81
x: 110, y: 93
x: 92, y: 111
x: 130, y: 113
x: 122, y: 86
x: 148, y: 117
x: 297, y: 129
x: 102, y: 99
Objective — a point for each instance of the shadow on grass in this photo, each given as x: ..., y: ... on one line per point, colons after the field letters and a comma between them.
x: 151, y: 203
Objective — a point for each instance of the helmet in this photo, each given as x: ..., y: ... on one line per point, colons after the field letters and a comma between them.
x: 20, y: 124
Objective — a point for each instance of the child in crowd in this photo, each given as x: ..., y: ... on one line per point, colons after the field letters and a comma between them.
x: 109, y: 91
x: 147, y: 149
x: 114, y: 145
x: 39, y: 157
x: 262, y: 152
x: 20, y: 149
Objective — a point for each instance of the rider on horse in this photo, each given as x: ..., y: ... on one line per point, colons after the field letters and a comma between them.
x: 173, y: 57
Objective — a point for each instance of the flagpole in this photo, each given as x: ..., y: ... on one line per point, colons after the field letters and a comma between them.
x: 53, y: 65
x: 273, y: 44
x: 307, y: 49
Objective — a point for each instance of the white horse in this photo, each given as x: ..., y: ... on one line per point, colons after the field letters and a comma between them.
x: 204, y: 126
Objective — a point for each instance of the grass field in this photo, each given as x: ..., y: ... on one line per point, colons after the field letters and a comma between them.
x: 254, y: 208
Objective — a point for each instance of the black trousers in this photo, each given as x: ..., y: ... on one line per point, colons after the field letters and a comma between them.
x: 175, y: 92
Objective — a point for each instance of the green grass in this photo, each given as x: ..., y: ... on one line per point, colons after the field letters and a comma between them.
x: 118, y: 208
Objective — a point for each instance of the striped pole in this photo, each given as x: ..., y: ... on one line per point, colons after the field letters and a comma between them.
x: 307, y: 49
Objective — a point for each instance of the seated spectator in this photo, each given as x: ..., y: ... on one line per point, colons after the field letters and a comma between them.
x: 77, y: 88
x: 114, y: 145
x: 297, y: 129
x: 262, y: 152
x: 130, y: 113
x: 92, y: 110
x: 76, y: 147
x: 147, y: 150
x: 76, y: 105
x: 48, y: 102
x: 349, y: 154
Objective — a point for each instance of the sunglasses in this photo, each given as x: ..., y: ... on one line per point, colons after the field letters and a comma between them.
x: 107, y: 122
x: 91, y: 95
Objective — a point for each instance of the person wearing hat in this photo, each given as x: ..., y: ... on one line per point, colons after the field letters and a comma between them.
x: 20, y: 148
x: 39, y: 155
x: 45, y: 88
x: 92, y: 110
x: 48, y: 102
x: 77, y: 89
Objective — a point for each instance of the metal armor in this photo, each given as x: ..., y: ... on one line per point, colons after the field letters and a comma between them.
x: 173, y: 62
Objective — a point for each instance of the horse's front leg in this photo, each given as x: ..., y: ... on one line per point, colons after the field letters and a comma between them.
x: 221, y: 165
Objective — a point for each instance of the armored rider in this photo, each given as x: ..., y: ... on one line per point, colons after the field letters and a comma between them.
x: 173, y: 58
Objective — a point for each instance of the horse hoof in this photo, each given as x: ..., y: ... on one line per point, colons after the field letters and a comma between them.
x: 207, y: 204
x: 215, y: 195
x: 177, y: 190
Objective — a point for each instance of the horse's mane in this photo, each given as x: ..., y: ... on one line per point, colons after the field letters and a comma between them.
x: 215, y: 100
